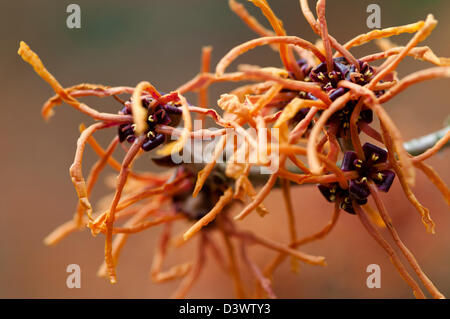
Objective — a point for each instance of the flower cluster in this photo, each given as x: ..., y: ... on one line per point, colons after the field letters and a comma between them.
x: 322, y: 99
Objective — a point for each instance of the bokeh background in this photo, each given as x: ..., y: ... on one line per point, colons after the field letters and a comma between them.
x: 122, y: 43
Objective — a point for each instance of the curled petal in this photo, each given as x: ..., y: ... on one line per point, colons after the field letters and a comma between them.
x: 138, y: 110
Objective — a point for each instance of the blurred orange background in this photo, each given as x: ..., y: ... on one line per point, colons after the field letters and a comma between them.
x: 122, y: 43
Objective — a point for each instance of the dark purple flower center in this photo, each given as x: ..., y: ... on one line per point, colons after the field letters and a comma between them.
x: 328, y: 81
x: 367, y: 170
x: 341, y: 119
x: 161, y: 114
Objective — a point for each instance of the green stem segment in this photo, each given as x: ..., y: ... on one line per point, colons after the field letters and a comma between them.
x: 419, y: 145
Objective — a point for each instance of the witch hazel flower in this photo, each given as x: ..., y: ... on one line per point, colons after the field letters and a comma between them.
x: 342, y: 70
x: 369, y: 168
x: 165, y: 114
x: 334, y: 193
x: 320, y: 97
x: 328, y: 81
